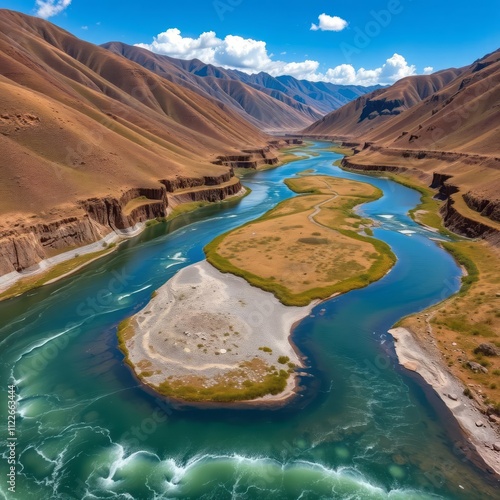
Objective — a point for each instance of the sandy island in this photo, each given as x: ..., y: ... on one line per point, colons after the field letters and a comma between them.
x: 426, y: 361
x: 207, y: 330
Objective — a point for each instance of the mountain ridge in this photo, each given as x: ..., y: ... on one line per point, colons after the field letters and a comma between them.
x: 271, y: 103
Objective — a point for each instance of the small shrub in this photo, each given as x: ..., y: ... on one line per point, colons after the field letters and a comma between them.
x: 283, y: 360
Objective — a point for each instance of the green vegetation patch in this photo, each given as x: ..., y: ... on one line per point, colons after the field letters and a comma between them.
x: 225, y: 391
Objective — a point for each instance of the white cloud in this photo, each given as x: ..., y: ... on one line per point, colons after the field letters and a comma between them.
x: 251, y: 56
x: 85, y: 28
x: 392, y: 70
x: 428, y: 70
x: 329, y: 23
x: 50, y: 8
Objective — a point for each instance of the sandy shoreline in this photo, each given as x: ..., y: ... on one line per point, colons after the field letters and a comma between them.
x: 426, y: 361
x: 210, y: 325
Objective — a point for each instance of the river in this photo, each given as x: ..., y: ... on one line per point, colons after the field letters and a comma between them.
x: 362, y: 428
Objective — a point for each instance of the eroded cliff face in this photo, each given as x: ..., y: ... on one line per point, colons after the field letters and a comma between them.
x: 487, y: 208
x: 210, y: 194
x: 252, y: 158
x: 453, y: 219
x: 442, y: 183
x: 465, y: 226
x: 172, y: 185
x: 19, y: 251
x: 347, y: 163
x: 27, y: 244
x: 110, y: 212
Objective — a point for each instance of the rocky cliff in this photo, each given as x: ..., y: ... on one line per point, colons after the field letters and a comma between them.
x: 348, y: 163
x: 445, y: 188
x: 254, y: 158
x: 465, y: 226
x: 487, y: 208
x: 25, y: 245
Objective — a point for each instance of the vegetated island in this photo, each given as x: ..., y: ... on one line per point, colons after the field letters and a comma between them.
x: 208, y: 335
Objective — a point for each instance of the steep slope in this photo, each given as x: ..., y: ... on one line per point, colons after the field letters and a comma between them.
x: 368, y: 112
x: 259, y: 108
x: 281, y: 103
x: 444, y: 130
x: 83, y: 132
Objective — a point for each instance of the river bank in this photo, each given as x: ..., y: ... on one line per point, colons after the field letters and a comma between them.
x: 64, y: 264
x: 52, y: 269
x: 428, y: 354
x: 425, y: 359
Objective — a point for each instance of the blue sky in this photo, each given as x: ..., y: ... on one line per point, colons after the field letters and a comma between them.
x: 364, y: 42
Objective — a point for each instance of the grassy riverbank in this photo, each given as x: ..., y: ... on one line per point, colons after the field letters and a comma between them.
x: 56, y: 272
x: 307, y: 248
x: 471, y: 317
x: 460, y: 324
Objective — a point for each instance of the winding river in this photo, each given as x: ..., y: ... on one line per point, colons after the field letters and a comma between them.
x: 362, y: 428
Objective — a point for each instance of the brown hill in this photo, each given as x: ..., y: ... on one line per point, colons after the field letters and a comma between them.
x: 80, y: 123
x: 271, y: 112
x: 366, y: 114
x: 442, y: 128
x: 271, y: 103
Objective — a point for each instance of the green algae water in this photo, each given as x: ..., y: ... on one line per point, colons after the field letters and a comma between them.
x: 361, y: 428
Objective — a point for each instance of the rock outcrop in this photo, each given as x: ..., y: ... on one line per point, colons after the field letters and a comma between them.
x: 487, y: 208
x: 445, y: 188
x: 487, y: 349
x: 347, y: 163
x: 19, y: 251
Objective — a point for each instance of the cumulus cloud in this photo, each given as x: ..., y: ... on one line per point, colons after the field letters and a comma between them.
x: 395, y: 68
x: 234, y: 52
x: 329, y: 23
x: 251, y: 56
x: 428, y: 70
x: 50, y: 8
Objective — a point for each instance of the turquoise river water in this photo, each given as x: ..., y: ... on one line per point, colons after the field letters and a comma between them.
x: 362, y: 428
